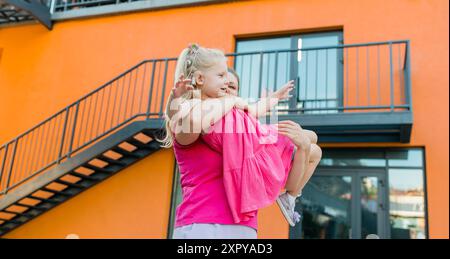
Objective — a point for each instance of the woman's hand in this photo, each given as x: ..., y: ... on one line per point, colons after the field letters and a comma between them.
x: 241, y: 103
x: 294, y: 132
x: 182, y: 86
x: 283, y: 92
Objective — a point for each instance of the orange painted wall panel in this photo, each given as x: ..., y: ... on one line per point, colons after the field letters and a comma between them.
x: 42, y: 71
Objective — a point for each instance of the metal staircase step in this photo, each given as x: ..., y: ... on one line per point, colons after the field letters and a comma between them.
x: 29, y: 207
x: 112, y: 161
x: 126, y: 153
x: 75, y: 185
x: 55, y: 192
x: 98, y: 169
x: 138, y: 144
x: 83, y: 176
x: 43, y: 199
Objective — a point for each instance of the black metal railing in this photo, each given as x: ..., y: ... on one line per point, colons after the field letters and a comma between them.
x: 330, y: 79
x: 139, y: 93
x: 65, y: 5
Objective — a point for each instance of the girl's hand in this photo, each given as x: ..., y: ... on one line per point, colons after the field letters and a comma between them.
x: 293, y: 131
x: 182, y: 86
x: 283, y: 92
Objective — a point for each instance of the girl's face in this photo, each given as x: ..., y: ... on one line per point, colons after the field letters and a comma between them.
x: 233, y: 86
x: 213, y: 82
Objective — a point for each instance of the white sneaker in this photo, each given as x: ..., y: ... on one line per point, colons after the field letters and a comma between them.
x: 287, y: 209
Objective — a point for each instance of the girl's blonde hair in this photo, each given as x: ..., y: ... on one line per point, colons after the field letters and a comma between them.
x: 191, y: 59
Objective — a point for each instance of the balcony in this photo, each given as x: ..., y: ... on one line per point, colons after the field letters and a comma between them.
x: 346, y: 93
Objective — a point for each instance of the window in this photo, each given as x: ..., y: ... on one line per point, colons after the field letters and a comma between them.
x: 266, y: 64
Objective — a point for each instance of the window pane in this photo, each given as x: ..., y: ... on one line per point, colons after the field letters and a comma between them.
x: 268, y: 70
x: 318, y: 72
x: 410, y: 158
x: 326, y: 205
x: 407, y: 203
x: 369, y: 206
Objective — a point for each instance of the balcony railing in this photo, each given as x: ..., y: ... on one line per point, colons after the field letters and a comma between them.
x: 60, y: 6
x: 370, y: 77
x: 65, y: 5
x: 48, y: 11
x: 365, y: 78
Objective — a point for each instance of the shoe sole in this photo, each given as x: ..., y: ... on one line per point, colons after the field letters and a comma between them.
x: 285, y: 213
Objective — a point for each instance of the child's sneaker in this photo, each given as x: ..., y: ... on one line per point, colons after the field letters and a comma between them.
x: 287, y: 206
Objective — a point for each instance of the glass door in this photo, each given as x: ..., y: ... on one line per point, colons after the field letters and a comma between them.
x: 343, y: 204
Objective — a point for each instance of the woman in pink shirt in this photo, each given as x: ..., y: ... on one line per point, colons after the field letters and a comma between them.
x: 225, y: 176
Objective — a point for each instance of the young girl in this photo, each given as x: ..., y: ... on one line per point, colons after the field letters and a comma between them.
x: 286, y: 201
x: 209, y: 210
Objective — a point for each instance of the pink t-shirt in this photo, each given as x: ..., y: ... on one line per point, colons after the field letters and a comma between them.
x: 240, y: 166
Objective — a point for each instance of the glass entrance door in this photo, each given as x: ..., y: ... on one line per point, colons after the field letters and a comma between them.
x: 343, y: 204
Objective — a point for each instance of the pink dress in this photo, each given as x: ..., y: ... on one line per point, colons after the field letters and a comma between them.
x: 256, y: 162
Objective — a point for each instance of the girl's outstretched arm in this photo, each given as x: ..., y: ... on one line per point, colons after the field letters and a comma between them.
x: 265, y: 104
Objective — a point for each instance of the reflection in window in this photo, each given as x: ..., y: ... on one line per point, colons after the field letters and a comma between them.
x: 407, y: 158
x: 326, y: 206
x: 353, y: 157
x: 406, y: 203
x: 319, y: 72
x: 369, y: 206
x: 261, y: 71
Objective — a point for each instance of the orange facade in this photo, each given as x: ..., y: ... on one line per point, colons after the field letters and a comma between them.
x: 42, y: 71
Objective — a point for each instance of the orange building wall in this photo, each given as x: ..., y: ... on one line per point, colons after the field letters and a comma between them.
x: 42, y: 71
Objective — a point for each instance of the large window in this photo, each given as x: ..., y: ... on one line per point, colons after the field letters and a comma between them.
x: 266, y: 64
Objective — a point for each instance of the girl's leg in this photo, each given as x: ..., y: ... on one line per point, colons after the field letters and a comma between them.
x: 307, y: 161
x: 299, y: 166
x: 296, y: 182
x: 316, y: 155
x: 311, y: 135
